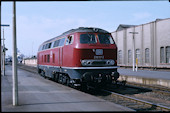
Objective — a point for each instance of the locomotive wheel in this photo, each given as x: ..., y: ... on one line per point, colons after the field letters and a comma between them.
x: 60, y: 78
x: 42, y: 74
x: 67, y: 80
x: 64, y: 79
x: 85, y: 86
x: 56, y: 76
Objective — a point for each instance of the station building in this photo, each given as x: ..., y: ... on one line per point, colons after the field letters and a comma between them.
x: 151, y: 44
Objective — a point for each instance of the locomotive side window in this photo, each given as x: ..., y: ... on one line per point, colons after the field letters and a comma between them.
x: 56, y: 43
x: 45, y: 58
x: 48, y: 58
x: 43, y: 47
x: 53, y: 58
x: 49, y: 45
x: 42, y: 59
x: 88, y: 39
x: 61, y: 43
x: 46, y: 46
x: 40, y: 48
x: 105, y: 39
x: 69, y: 39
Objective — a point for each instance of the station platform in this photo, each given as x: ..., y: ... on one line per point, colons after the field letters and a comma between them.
x: 157, y: 74
x: 37, y: 94
x: 147, y: 77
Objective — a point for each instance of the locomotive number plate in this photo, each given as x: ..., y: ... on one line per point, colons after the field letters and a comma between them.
x: 99, y: 51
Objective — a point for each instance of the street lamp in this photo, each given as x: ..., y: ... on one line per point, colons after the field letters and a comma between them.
x: 3, y: 51
x: 134, y: 49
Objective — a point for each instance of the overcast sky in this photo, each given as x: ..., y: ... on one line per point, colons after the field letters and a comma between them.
x: 40, y: 21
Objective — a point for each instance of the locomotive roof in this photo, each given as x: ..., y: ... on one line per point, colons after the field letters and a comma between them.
x: 80, y: 29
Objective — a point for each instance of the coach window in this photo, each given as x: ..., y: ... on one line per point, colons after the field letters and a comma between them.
x: 162, y: 55
x: 168, y: 54
x: 147, y: 55
x: 69, y: 39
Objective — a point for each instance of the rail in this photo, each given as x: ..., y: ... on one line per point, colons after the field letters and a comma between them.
x: 152, y: 105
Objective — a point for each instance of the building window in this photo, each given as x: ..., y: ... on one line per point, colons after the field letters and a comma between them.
x: 120, y: 56
x: 168, y: 54
x: 129, y: 56
x: 138, y: 55
x: 162, y: 55
x: 147, y: 55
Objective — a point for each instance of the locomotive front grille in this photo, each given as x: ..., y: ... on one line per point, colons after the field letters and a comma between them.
x: 104, y: 62
x: 98, y: 62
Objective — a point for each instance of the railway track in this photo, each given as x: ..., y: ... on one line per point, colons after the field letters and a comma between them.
x: 134, y: 103
x: 157, y: 89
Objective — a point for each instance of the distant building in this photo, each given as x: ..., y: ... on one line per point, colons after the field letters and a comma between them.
x: 152, y: 44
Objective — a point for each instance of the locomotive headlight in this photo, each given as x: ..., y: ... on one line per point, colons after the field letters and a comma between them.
x: 88, y: 62
x: 110, y: 62
x: 84, y: 62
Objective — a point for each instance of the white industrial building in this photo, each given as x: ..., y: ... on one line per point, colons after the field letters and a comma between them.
x: 152, y: 44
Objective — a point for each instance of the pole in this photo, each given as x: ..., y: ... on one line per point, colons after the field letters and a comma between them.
x: 133, y: 53
x: 14, y: 60
x: 3, y: 55
x: 0, y: 41
x: 133, y: 49
x: 3, y: 51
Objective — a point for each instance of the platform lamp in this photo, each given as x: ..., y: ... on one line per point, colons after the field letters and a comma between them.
x: 134, y: 49
x: 3, y: 49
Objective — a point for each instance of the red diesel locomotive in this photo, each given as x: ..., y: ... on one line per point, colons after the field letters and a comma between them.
x: 79, y: 57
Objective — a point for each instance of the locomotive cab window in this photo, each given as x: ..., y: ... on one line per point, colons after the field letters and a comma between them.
x: 69, y: 39
x: 105, y: 39
x: 88, y: 39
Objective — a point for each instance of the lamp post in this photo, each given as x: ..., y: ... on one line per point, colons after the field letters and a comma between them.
x: 14, y: 60
x: 3, y: 51
x: 134, y: 49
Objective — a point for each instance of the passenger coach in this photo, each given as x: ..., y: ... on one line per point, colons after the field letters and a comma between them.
x: 79, y: 57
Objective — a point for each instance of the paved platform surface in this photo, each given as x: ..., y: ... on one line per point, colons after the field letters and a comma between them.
x: 39, y: 94
x: 165, y: 75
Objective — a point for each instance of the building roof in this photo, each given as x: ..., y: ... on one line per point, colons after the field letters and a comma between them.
x: 124, y: 26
